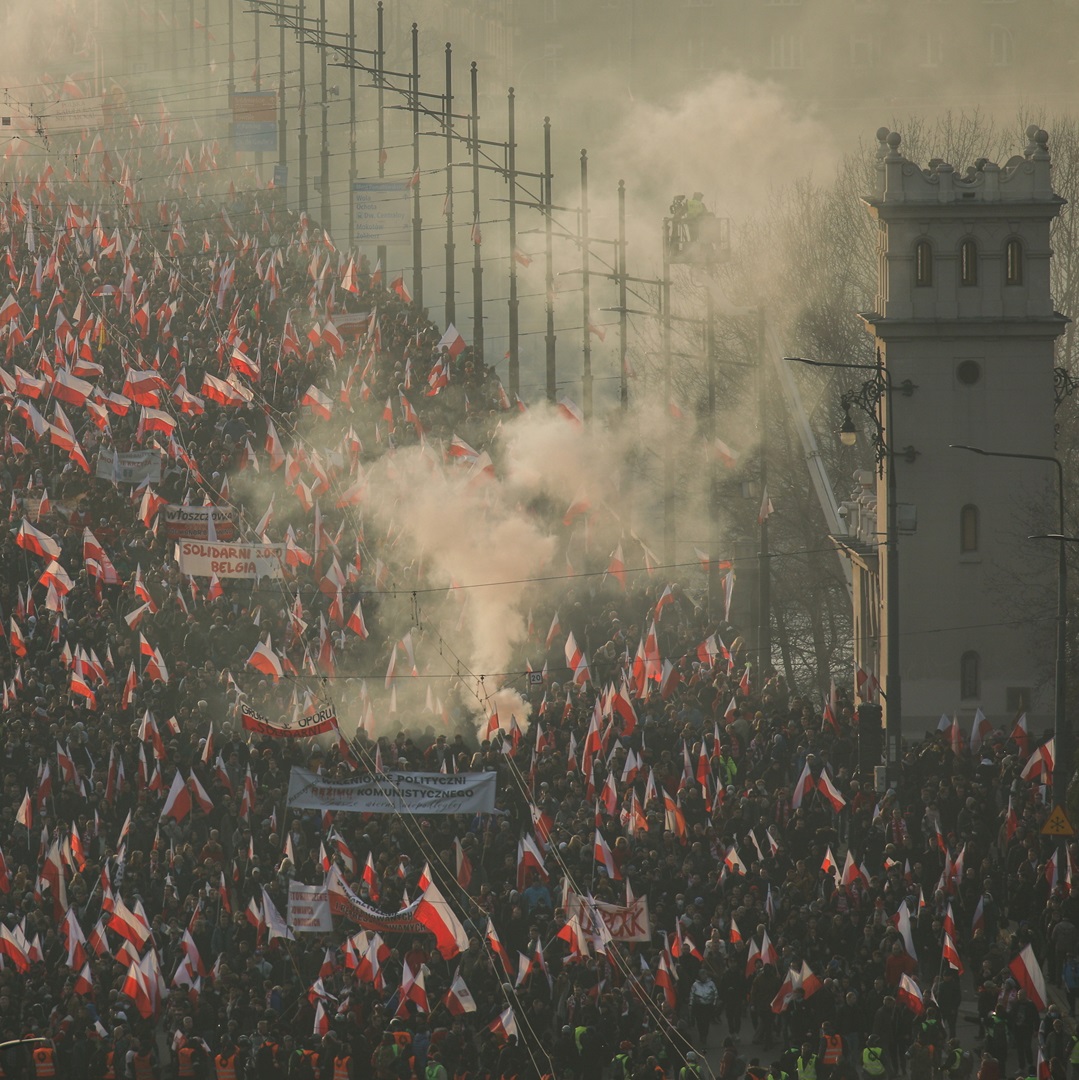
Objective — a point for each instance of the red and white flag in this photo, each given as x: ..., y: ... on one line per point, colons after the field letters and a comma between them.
x: 910, y: 995
x: 1028, y: 974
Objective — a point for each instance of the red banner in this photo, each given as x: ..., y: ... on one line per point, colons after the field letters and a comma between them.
x: 317, y: 723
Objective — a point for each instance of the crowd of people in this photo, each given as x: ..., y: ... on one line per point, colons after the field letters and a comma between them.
x: 683, y: 857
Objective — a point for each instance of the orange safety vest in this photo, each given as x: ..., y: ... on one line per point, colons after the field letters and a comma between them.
x: 833, y: 1050
x: 44, y: 1061
x: 186, y: 1056
x: 144, y: 1067
x: 340, y: 1068
x: 226, y: 1067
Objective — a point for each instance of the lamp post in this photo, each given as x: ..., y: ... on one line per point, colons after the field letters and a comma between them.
x: 1061, y: 729
x: 874, y: 393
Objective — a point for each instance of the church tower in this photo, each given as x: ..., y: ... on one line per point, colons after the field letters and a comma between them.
x: 966, y: 331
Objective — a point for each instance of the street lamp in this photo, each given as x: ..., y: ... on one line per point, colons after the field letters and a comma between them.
x: 1061, y: 730
x: 874, y: 397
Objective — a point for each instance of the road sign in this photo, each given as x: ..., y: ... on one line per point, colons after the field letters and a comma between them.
x: 1057, y: 824
x: 535, y: 678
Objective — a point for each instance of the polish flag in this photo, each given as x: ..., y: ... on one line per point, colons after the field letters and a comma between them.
x: 496, y: 946
x: 356, y: 623
x: 264, y: 659
x: 31, y: 539
x: 178, y: 803
x: 1028, y: 974
x: 804, y: 786
x: 830, y: 792
x: 951, y: 953
x: 435, y: 913
x: 571, y: 411
x: 604, y: 856
x: 910, y: 994
x: 504, y: 1025
x: 451, y: 340
x: 458, y: 999
x: 317, y: 402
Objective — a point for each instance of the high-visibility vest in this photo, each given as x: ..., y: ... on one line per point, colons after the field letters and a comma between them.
x: 1073, y: 1057
x: 833, y: 1050
x: 44, y: 1061
x: 807, y: 1068
x: 186, y: 1056
x: 144, y: 1067
x: 871, y: 1061
x: 226, y: 1066
x: 340, y: 1068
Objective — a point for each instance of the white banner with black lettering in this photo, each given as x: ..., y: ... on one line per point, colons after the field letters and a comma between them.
x: 193, y: 522
x: 200, y: 558
x: 132, y: 467
x: 394, y: 793
x: 309, y: 909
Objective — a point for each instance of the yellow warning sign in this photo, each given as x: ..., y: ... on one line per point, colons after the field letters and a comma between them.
x: 1057, y: 824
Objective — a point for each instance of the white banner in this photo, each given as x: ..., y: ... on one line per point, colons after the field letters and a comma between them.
x: 130, y: 468
x: 309, y: 909
x: 73, y: 114
x: 201, y: 559
x: 193, y: 522
x: 624, y: 923
x: 394, y: 793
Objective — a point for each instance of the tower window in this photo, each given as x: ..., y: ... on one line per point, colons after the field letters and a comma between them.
x: 968, y: 263
x: 969, y: 676
x: 968, y: 529
x: 1013, y: 262
x: 923, y: 263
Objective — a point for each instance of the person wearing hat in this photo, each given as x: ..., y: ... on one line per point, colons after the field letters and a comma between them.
x: 873, y: 1057
x: 692, y: 1069
x: 623, y: 1060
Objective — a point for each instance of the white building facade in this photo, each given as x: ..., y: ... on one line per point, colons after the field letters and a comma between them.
x: 964, y: 312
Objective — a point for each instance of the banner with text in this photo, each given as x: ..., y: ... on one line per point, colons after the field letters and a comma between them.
x: 309, y: 909
x: 317, y: 723
x: 200, y: 558
x: 193, y: 522
x: 394, y: 793
x: 624, y: 923
x: 343, y: 901
x: 130, y: 468
x: 382, y: 211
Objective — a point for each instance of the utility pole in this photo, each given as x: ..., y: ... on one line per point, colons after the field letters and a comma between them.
x: 324, y: 163
x: 764, y: 561
x: 232, y: 54
x: 514, y: 329
x: 623, y: 315
x: 282, y: 144
x: 351, y: 123
x: 586, y: 295
x: 451, y: 249
x: 380, y: 80
x: 668, y: 375
x: 477, y: 262
x: 548, y: 210
x: 417, y: 220
x: 302, y: 192
x: 714, y: 605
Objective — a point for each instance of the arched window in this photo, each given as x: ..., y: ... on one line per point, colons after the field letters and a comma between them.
x: 1013, y: 262
x: 968, y: 263
x: 969, y: 676
x: 968, y: 529
x: 923, y: 263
